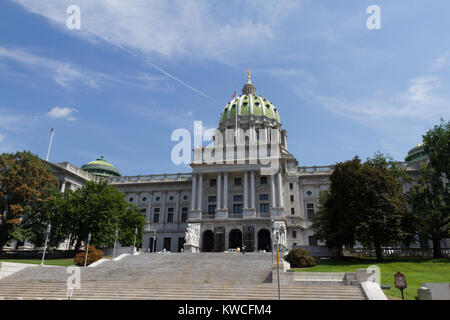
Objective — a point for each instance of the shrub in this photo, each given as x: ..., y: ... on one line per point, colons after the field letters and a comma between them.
x: 93, y: 255
x: 300, y: 258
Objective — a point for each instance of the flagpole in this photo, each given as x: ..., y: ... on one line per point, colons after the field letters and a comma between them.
x: 235, y: 127
x: 50, y: 145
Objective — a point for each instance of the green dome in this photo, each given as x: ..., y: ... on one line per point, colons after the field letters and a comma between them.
x: 249, y: 103
x: 101, y: 167
x: 417, y: 154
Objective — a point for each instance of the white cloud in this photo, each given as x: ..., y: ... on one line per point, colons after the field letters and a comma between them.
x: 62, y: 113
x: 2, y: 137
x: 197, y: 29
x: 64, y: 74
x: 420, y: 89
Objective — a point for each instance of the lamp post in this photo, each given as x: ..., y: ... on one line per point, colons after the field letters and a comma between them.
x: 271, y: 235
x: 278, y: 262
x: 134, y: 244
x: 115, y: 241
x: 47, y: 232
x: 154, y: 240
x: 87, y: 249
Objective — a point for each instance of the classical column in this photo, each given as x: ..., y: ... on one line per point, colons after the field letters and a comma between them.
x: 245, y: 190
x: 219, y: 190
x: 63, y: 186
x: 200, y: 191
x: 280, y: 191
x: 150, y: 201
x: 163, y: 210
x: 138, y: 197
x: 252, y: 189
x: 272, y: 190
x: 177, y: 207
x: 194, y: 179
x: 225, y: 190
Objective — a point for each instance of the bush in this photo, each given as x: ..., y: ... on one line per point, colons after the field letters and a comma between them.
x: 300, y: 258
x: 93, y: 255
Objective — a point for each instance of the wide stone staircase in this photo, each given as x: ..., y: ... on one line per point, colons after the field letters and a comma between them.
x: 170, y: 276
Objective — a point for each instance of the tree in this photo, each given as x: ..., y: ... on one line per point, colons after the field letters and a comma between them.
x: 26, y: 186
x: 429, y: 199
x: 380, y: 205
x: 99, y: 209
x: 365, y: 203
x: 334, y: 221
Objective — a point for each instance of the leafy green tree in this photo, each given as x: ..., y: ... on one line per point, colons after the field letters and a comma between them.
x: 132, y: 219
x: 26, y: 186
x: 334, y: 222
x: 429, y: 199
x: 96, y: 208
x: 365, y: 203
x: 380, y: 206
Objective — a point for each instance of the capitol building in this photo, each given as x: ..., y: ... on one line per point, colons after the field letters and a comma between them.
x: 222, y: 204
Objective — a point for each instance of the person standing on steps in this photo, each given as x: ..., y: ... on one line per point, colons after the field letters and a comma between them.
x: 243, y: 248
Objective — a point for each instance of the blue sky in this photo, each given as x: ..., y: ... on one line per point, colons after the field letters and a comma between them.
x: 341, y: 89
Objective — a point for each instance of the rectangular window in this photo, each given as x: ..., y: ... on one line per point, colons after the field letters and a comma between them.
x: 238, y: 198
x: 212, y: 182
x: 310, y: 210
x: 212, y: 199
x: 292, y: 211
x: 291, y: 186
x: 237, y: 208
x: 170, y: 217
x: 237, y: 181
x: 156, y: 218
x: 294, y: 234
x: 184, y: 214
x: 170, y: 210
x: 212, y: 208
x: 292, y: 198
x: 264, y: 208
x: 144, y: 211
x: 312, y: 241
x: 263, y: 197
x: 263, y: 180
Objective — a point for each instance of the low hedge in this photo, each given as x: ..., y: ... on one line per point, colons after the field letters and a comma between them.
x: 93, y: 255
x: 300, y: 258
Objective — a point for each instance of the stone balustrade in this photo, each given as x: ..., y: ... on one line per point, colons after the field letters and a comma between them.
x: 330, y: 168
x: 151, y: 178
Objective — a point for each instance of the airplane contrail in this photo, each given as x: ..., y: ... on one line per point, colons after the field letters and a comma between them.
x: 151, y: 64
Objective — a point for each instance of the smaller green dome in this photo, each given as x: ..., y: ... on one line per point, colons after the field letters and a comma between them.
x: 102, y: 168
x: 417, y: 154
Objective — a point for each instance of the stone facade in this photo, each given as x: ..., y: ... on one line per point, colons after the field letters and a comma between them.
x: 231, y: 200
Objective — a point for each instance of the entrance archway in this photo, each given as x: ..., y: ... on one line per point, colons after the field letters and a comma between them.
x: 264, y: 240
x: 235, y: 239
x: 208, y: 241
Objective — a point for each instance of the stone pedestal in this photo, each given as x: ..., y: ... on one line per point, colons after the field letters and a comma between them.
x: 189, y: 248
x: 221, y: 213
x: 276, y: 212
x: 249, y: 213
x: 195, y: 214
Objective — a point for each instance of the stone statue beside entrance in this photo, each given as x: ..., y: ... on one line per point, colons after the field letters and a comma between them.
x: 192, y: 237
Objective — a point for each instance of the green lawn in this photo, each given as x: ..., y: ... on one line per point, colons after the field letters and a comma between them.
x: 48, y: 262
x: 416, y: 271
